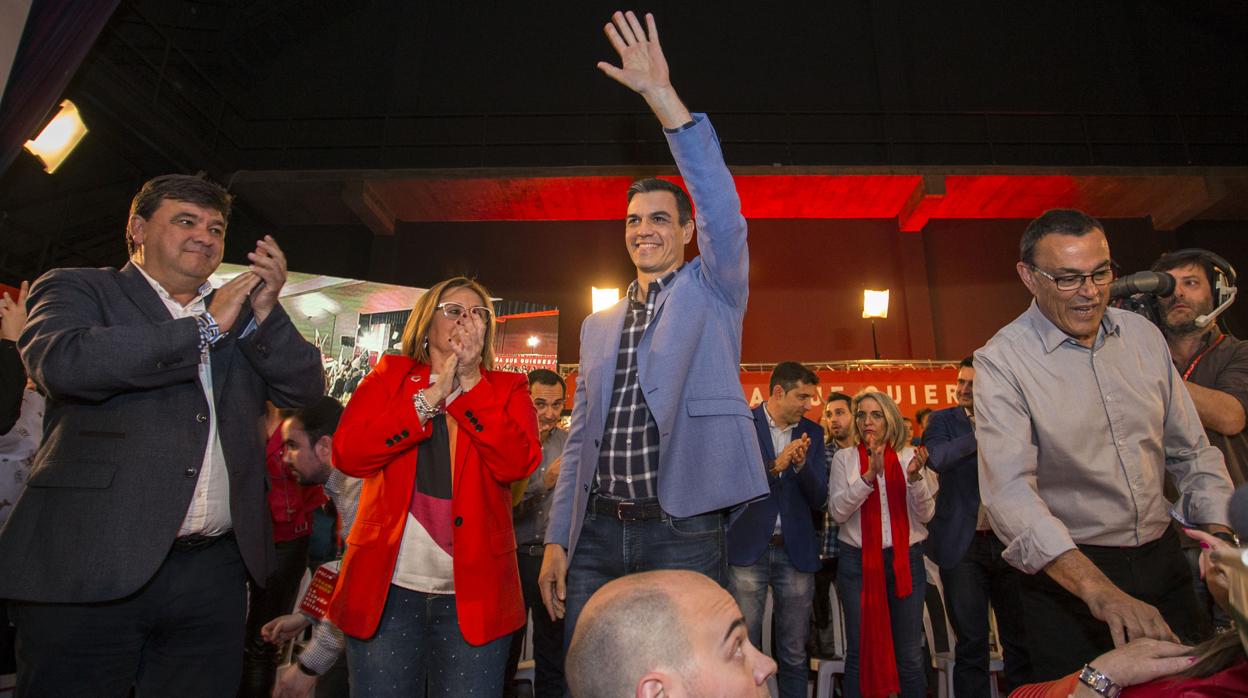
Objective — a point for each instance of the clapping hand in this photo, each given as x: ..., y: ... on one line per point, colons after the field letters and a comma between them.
x: 914, y: 471
x: 875, y: 452
x: 269, y: 263
x: 467, y: 342
x: 13, y: 313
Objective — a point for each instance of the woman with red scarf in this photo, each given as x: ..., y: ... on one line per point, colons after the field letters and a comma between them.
x: 881, y: 495
x: 429, y: 591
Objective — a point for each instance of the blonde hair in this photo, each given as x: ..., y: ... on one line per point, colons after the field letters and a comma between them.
x: 896, y: 433
x: 416, y: 332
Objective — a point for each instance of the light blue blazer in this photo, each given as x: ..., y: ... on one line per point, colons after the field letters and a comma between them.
x: 689, y: 363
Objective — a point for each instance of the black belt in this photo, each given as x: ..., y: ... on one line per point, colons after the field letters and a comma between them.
x: 198, y: 540
x: 627, y: 509
x: 777, y: 541
x: 531, y: 550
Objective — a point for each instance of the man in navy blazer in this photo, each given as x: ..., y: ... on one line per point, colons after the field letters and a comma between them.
x: 662, y: 442
x: 961, y: 541
x: 145, y: 512
x: 774, y: 543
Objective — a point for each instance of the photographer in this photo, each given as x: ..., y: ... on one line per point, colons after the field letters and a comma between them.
x: 1213, y: 364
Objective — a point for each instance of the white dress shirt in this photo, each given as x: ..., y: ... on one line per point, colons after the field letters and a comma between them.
x: 847, y: 492
x: 209, y: 513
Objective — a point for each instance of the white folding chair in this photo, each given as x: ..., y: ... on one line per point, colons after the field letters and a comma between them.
x: 829, y: 669
x: 944, y: 660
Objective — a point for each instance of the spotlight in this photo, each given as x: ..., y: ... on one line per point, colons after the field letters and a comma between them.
x: 58, y: 139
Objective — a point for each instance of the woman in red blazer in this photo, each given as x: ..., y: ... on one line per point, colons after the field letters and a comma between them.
x: 429, y: 591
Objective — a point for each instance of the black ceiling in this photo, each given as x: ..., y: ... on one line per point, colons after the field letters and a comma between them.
x: 222, y: 86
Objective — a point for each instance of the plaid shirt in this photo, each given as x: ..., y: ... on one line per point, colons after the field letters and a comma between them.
x: 328, y: 641
x: 628, y: 465
x: 830, y: 529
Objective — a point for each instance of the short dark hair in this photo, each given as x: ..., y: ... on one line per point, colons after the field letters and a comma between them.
x: 178, y: 187
x: 684, y: 207
x: 1060, y: 221
x: 545, y: 376
x: 320, y: 418
x: 1182, y: 258
x: 838, y: 397
x: 787, y: 374
x: 921, y: 414
x: 968, y: 362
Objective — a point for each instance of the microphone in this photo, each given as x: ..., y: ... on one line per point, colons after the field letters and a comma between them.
x: 1204, y: 320
x: 1154, y: 282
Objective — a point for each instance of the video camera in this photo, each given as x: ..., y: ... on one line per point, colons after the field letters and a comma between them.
x: 1139, y: 292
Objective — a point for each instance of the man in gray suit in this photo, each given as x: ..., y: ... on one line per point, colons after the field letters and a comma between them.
x: 145, y: 509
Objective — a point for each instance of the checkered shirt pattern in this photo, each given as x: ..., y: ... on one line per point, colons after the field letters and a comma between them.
x: 628, y: 464
x: 830, y: 530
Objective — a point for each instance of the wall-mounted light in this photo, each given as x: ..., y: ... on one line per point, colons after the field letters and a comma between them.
x: 55, y: 142
x: 603, y: 298
x: 532, y: 341
x: 874, y: 305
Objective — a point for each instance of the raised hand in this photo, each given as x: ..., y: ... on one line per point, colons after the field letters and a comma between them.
x: 875, y: 465
x: 269, y: 263
x: 13, y: 313
x: 643, y: 67
x: 914, y: 470
x: 227, y: 301
x: 467, y: 342
x: 447, y: 380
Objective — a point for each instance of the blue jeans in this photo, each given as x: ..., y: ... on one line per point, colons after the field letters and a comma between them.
x: 609, y: 548
x: 793, y: 593
x: 418, y: 650
x: 980, y: 576
x: 905, y: 615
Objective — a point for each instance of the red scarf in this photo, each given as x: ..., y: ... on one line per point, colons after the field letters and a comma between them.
x: 877, y: 664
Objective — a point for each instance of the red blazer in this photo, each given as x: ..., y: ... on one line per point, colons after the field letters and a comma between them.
x: 497, y: 444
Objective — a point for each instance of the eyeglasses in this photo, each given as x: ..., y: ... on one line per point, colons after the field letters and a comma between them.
x: 454, y: 311
x: 1070, y: 282
x: 873, y: 414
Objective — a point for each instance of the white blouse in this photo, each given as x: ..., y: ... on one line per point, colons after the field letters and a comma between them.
x: 847, y: 492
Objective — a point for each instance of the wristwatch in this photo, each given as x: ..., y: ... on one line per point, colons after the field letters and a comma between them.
x: 1102, y: 684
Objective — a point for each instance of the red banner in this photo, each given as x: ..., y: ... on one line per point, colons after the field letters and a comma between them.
x: 912, y: 388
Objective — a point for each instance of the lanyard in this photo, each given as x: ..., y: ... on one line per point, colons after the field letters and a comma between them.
x: 1192, y: 366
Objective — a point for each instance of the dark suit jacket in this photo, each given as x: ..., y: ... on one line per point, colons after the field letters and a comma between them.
x: 125, y: 432
x: 793, y: 496
x: 12, y: 385
x: 953, y: 454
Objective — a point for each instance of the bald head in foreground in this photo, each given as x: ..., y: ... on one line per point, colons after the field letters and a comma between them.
x: 669, y: 633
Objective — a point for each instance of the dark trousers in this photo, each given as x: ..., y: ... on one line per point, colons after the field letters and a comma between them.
x: 547, y: 634
x: 980, y: 577
x: 609, y: 548
x: 1062, y: 634
x: 276, y: 598
x: 905, y: 618
x: 822, y: 632
x: 181, y: 634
